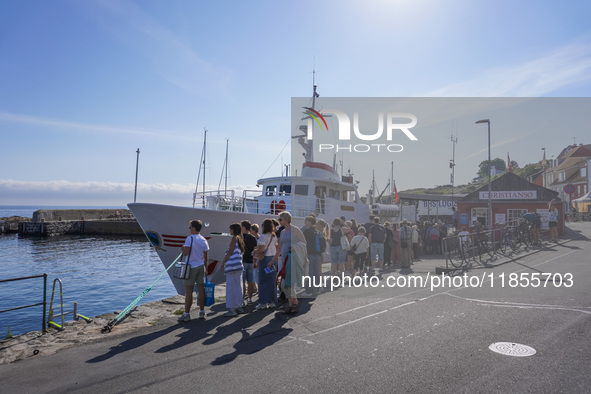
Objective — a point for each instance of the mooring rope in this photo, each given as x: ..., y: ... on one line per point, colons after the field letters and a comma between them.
x: 125, y: 311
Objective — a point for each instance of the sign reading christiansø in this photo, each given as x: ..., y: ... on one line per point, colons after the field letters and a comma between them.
x: 509, y: 195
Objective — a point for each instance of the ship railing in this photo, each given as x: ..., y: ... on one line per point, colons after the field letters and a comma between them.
x: 220, y: 200
x: 272, y: 203
x: 250, y: 201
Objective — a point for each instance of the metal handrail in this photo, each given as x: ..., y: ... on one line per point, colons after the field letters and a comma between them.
x: 44, y: 303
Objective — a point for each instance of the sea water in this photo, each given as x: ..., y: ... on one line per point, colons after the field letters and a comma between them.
x: 101, y: 273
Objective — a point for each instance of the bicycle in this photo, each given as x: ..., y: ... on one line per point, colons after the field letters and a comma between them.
x: 484, y: 245
x: 455, y: 251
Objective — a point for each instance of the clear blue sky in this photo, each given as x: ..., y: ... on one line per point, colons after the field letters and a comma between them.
x: 83, y: 84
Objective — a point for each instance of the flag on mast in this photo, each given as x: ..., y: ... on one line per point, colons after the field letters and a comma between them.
x: 509, y: 167
x: 395, y: 193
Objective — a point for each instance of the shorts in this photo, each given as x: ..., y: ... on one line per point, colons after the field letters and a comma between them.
x: 553, y: 224
x: 337, y: 255
x: 197, y: 276
x: 248, y: 275
x: 377, y: 248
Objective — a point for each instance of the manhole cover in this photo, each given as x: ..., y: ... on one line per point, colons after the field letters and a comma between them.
x: 512, y: 349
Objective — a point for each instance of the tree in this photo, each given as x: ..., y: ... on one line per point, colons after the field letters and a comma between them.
x: 529, y: 169
x: 498, y: 163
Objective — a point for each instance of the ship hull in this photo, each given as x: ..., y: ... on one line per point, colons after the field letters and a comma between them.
x: 166, y: 227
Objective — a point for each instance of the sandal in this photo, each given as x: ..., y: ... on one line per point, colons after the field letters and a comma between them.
x: 286, y: 309
x: 293, y: 309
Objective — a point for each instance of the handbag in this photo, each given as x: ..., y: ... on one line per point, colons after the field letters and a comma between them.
x: 182, y: 270
x: 209, y: 293
x: 260, y: 255
x: 353, y: 247
x: 345, y: 242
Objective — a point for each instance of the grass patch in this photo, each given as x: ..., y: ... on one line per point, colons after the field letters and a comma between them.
x: 179, y: 312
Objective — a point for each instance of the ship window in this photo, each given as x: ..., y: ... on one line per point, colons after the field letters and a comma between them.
x: 285, y: 189
x: 301, y: 190
x: 270, y: 190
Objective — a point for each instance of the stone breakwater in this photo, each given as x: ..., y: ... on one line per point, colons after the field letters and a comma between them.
x: 48, y: 222
x: 10, y: 224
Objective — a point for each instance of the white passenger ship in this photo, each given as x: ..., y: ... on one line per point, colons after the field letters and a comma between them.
x: 319, y: 189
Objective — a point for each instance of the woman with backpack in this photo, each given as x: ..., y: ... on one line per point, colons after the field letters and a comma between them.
x: 360, y: 248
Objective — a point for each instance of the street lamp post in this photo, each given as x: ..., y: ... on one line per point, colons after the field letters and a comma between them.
x: 487, y: 121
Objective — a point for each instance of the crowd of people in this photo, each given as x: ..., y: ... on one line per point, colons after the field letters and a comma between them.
x: 270, y: 259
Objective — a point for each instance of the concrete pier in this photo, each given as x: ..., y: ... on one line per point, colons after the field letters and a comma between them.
x: 48, y: 222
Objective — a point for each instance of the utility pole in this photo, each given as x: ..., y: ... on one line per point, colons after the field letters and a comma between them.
x: 452, y: 162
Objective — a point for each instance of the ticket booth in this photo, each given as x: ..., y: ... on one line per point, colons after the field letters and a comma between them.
x: 511, y: 197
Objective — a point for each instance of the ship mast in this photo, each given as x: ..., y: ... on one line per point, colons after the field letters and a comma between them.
x: 307, y: 144
x: 224, y: 171
x: 201, y: 165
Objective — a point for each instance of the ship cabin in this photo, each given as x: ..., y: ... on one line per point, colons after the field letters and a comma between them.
x: 319, y: 190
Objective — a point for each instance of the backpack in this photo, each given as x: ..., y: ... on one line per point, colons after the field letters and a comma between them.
x: 320, y: 243
x: 378, y: 233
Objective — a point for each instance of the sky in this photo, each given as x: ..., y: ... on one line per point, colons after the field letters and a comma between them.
x: 83, y: 85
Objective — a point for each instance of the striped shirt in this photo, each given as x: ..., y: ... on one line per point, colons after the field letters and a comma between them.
x: 234, y: 263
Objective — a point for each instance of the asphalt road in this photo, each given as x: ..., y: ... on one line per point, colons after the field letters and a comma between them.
x: 402, y: 339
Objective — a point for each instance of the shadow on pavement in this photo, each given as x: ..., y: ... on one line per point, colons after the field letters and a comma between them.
x: 250, y: 343
x: 197, y: 330
x: 133, y: 343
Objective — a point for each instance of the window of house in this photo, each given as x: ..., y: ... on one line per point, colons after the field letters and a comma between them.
x: 561, y: 176
x: 583, y: 172
x: 514, y: 214
x: 481, y: 215
x: 549, y: 179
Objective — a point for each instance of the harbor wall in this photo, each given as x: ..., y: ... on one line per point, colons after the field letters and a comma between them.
x: 48, y: 222
x: 90, y: 227
x: 50, y: 215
